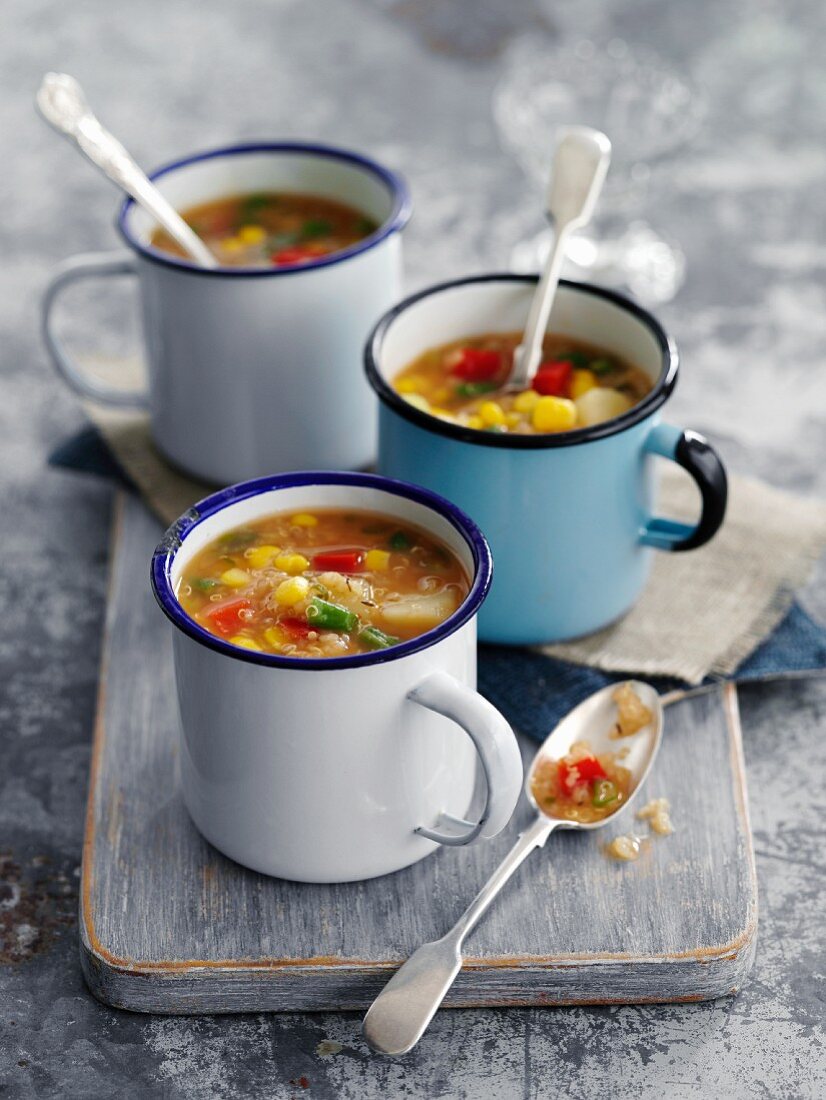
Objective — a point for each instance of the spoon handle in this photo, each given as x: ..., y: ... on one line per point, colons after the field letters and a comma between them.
x: 61, y: 101
x: 581, y: 161
x: 399, y: 1016
x: 528, y: 354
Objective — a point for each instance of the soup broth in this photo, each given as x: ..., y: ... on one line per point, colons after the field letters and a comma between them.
x: 324, y: 583
x: 271, y: 228
x: 577, y: 385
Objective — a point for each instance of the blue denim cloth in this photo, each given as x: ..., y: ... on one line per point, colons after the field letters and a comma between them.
x: 533, y: 691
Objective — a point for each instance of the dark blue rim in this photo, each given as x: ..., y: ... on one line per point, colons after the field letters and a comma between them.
x: 164, y: 557
x: 395, y: 221
x: 662, y: 390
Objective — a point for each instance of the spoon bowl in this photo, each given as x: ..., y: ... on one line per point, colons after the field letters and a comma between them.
x: 594, y: 720
x: 400, y: 1014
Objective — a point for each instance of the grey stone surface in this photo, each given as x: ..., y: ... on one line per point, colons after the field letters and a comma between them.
x: 410, y: 80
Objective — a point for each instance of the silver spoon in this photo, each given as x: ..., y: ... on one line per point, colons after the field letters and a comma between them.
x: 61, y: 102
x: 400, y: 1014
x: 580, y: 163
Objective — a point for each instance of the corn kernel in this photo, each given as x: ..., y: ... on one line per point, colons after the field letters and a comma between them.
x: 291, y: 563
x: 525, y: 401
x: 245, y: 643
x: 512, y: 419
x: 232, y: 244
x: 274, y: 637
x: 235, y: 578
x: 475, y: 422
x: 581, y: 382
x: 261, y: 556
x: 377, y: 559
x: 491, y: 414
x: 411, y: 384
x: 442, y: 394
x: 252, y: 234
x: 418, y: 402
x: 292, y: 591
x: 304, y: 519
x: 553, y: 414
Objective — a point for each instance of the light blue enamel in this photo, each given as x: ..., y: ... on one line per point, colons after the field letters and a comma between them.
x: 568, y: 526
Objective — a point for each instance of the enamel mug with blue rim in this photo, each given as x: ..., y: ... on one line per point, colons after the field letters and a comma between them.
x: 252, y: 370
x: 570, y: 517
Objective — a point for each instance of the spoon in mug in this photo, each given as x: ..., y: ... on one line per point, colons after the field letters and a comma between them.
x: 400, y: 1014
x: 61, y: 102
x: 580, y: 164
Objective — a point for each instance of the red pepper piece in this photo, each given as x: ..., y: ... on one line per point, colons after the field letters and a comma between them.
x: 296, y: 254
x: 477, y: 365
x: 553, y: 379
x: 298, y: 628
x: 340, y: 561
x: 583, y: 771
x: 226, y: 616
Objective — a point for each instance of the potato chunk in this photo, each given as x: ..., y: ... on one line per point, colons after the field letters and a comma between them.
x: 599, y: 404
x: 415, y: 613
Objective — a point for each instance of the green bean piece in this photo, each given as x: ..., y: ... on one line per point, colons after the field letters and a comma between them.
x: 330, y: 616
x: 578, y: 358
x: 400, y: 540
x: 237, y: 540
x: 204, y: 584
x: 604, y: 792
x: 373, y: 638
x: 601, y: 366
x: 316, y: 227
x: 474, y: 389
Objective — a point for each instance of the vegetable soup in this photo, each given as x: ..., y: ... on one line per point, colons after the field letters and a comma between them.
x: 576, y: 385
x: 271, y: 228
x: 326, y: 583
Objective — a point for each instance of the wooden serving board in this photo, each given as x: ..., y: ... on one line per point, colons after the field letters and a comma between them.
x: 170, y: 925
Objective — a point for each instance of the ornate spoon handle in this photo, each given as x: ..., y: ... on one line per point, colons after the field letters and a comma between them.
x: 399, y: 1016
x: 61, y: 101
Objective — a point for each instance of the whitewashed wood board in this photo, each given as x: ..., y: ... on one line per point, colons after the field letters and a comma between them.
x: 170, y: 925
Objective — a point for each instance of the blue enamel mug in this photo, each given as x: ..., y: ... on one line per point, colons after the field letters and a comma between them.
x: 570, y: 517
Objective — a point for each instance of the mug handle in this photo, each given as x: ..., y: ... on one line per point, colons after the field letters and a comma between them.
x: 88, y: 266
x: 498, y: 753
x: 695, y: 454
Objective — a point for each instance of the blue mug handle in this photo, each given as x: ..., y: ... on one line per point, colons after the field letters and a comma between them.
x: 696, y: 455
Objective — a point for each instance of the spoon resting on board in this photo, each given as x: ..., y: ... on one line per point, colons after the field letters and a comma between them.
x: 580, y: 164
x: 62, y: 104
x: 400, y: 1014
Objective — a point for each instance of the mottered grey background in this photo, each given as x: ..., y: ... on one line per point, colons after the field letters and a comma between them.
x: 409, y: 81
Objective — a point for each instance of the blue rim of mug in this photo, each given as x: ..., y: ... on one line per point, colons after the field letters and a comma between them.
x: 164, y: 557
x: 660, y: 393
x: 396, y: 220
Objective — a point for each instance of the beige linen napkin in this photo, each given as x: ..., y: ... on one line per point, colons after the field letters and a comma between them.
x: 702, y: 613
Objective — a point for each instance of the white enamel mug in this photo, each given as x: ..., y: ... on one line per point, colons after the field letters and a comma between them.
x: 336, y: 769
x: 254, y: 370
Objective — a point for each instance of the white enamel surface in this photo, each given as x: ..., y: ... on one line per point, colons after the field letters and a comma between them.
x: 324, y: 775
x: 257, y: 375
x: 502, y: 306
x: 321, y: 776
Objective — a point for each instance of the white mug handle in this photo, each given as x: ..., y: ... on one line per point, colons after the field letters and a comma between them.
x: 89, y: 266
x: 498, y: 753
